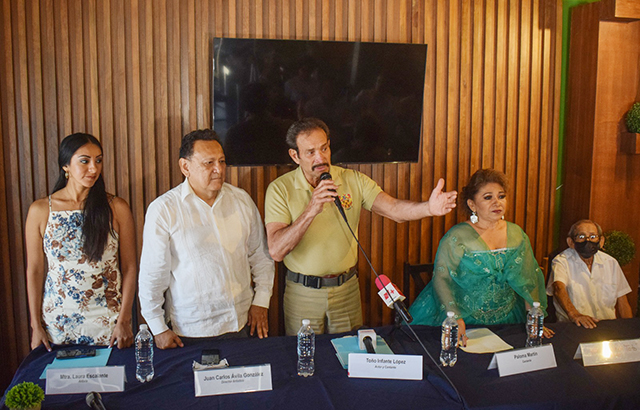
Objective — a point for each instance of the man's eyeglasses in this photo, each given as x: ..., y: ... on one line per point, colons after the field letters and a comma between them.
x: 590, y: 238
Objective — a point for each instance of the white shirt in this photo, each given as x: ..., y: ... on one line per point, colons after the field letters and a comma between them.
x: 593, y: 293
x: 198, y: 261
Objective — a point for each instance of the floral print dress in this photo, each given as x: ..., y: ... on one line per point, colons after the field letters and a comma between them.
x: 81, y: 301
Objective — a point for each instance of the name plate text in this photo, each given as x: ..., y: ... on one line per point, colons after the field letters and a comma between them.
x: 85, y: 380
x: 385, y: 366
x: 609, y: 352
x: 242, y: 379
x: 524, y: 360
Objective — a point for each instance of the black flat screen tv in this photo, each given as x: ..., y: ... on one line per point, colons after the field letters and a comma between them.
x: 369, y: 94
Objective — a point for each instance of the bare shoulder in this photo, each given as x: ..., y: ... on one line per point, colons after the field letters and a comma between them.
x: 119, y: 206
x: 122, y: 216
x: 37, y: 216
x: 116, y: 201
x: 39, y: 208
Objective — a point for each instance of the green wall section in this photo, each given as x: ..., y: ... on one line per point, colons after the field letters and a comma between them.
x: 566, y: 30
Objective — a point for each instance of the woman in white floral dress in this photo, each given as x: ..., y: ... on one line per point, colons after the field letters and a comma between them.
x: 81, y: 269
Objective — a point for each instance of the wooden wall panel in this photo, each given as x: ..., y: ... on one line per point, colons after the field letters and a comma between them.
x: 8, y: 338
x: 137, y: 74
x: 601, y: 179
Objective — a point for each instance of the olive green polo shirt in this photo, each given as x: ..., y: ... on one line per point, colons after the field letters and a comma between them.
x: 327, y: 247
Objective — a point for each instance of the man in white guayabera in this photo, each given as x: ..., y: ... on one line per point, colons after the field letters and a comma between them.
x: 203, y: 246
x: 587, y: 284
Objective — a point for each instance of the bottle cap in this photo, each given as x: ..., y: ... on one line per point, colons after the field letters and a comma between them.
x: 305, y: 322
x: 450, y: 314
x: 144, y: 327
x: 536, y: 304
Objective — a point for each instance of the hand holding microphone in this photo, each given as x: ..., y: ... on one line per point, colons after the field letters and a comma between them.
x: 327, y: 176
x: 322, y: 194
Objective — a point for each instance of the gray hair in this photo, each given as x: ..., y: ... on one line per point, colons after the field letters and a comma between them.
x: 574, y: 227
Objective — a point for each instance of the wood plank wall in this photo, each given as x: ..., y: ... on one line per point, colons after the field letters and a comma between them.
x: 601, y: 88
x: 136, y: 74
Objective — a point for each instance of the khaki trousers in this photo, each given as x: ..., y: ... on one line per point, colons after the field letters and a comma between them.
x: 332, y: 309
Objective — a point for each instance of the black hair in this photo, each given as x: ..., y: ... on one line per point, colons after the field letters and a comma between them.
x: 304, y: 126
x: 189, y: 140
x: 479, y: 179
x: 97, y: 214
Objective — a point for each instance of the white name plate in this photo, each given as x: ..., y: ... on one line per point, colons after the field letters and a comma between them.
x: 609, y: 352
x: 524, y: 360
x: 242, y: 379
x: 385, y: 366
x: 85, y: 380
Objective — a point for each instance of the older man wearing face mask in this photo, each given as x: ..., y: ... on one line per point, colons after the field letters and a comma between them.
x: 587, y: 284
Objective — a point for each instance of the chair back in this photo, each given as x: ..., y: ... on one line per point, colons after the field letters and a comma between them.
x: 552, y: 317
x: 419, y: 276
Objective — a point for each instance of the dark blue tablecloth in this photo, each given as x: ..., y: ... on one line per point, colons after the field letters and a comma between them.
x: 569, y: 386
x: 173, y: 386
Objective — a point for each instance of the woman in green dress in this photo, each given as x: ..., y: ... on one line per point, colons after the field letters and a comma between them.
x: 485, y: 270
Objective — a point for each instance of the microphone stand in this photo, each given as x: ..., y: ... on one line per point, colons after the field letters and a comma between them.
x: 399, y: 317
x: 397, y: 325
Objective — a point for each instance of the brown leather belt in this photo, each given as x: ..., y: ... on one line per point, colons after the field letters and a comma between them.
x: 318, y: 282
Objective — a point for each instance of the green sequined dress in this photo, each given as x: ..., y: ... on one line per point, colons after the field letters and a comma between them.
x: 482, y: 286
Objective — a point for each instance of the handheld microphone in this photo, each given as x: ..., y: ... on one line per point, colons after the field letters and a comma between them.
x: 391, y: 295
x: 366, y: 339
x: 336, y: 200
x: 94, y: 400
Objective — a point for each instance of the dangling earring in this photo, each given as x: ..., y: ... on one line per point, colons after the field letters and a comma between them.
x: 66, y: 174
x: 503, y: 217
x: 473, y: 218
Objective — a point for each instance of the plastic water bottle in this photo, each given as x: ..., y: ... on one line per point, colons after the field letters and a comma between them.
x: 535, y: 326
x: 144, y: 354
x: 449, y: 341
x: 306, y: 349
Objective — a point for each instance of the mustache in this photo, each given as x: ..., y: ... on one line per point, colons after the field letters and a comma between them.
x: 324, y: 164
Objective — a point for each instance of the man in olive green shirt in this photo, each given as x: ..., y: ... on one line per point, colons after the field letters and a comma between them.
x: 305, y: 229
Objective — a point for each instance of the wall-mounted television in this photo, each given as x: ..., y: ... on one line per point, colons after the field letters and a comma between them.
x: 369, y: 94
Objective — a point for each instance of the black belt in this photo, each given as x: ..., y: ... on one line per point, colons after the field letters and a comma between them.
x: 317, y: 282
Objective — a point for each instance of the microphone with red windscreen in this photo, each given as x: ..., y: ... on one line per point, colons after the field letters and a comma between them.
x: 391, y: 295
